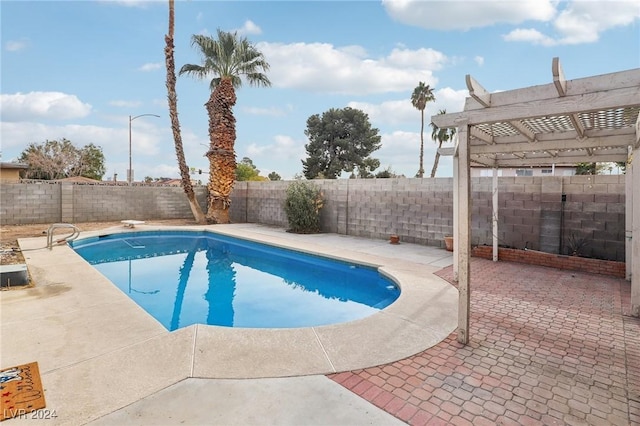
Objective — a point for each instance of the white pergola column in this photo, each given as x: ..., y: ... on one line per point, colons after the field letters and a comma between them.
x: 462, y: 237
x: 494, y: 213
x: 456, y: 182
x: 635, y: 234
x: 628, y: 216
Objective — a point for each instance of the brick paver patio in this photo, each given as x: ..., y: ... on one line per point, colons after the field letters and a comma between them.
x: 547, y: 347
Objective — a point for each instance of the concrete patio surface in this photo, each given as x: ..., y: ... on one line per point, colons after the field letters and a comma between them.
x: 547, y: 347
x: 101, y: 355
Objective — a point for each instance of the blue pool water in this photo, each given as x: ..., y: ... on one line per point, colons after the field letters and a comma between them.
x: 184, y: 278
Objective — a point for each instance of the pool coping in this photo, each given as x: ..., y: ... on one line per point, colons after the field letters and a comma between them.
x: 77, y: 324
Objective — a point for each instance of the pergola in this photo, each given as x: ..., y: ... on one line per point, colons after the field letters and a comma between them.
x: 593, y: 119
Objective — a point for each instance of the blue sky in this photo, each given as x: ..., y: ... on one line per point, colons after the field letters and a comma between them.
x: 79, y: 69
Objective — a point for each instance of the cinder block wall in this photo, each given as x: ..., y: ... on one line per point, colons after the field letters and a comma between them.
x: 104, y: 202
x: 29, y: 203
x: 531, y: 212
x: 23, y: 203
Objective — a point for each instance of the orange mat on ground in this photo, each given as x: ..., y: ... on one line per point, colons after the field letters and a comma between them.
x: 21, y: 391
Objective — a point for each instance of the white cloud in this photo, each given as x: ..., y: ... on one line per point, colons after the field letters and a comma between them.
x: 132, y: 3
x: 249, y: 27
x: 529, y: 35
x: 151, y: 66
x: 16, y: 45
x: 277, y: 156
x: 273, y: 112
x: 403, y: 112
x: 39, y: 105
x: 400, y: 150
x: 479, y: 60
x: 125, y: 104
x: 464, y: 15
x: 583, y: 21
x: 322, y: 67
x: 575, y: 21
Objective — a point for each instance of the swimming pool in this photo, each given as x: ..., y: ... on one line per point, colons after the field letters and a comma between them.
x: 194, y: 277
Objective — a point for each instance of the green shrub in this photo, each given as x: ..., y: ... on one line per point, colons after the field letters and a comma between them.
x: 302, y: 206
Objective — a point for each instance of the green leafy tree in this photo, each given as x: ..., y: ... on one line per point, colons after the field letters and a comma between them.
x: 387, y: 173
x: 586, y: 168
x: 91, y: 162
x: 274, y: 176
x: 339, y: 140
x: 419, y: 98
x: 365, y: 171
x: 61, y: 159
x: 227, y: 59
x: 246, y: 170
x: 440, y: 135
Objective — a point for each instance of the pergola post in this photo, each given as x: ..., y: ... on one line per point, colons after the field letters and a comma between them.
x: 635, y: 234
x: 456, y: 182
x: 462, y: 240
x: 494, y: 213
x: 628, y: 216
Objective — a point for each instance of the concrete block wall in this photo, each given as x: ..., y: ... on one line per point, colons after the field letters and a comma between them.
x: 532, y: 214
x: 595, y: 211
x: 22, y: 203
x: 105, y: 202
x: 519, y: 211
x: 531, y: 211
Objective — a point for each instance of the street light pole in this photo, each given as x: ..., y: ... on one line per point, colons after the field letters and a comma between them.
x: 130, y: 174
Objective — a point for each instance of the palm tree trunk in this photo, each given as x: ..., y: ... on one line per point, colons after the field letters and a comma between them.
x: 421, y: 169
x: 175, y: 123
x: 185, y: 271
x: 222, y: 288
x: 221, y: 154
x: 436, y: 160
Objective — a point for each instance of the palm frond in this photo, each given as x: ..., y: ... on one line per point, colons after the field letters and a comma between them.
x: 230, y: 55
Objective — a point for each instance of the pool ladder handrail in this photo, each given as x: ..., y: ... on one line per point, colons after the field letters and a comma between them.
x: 72, y: 236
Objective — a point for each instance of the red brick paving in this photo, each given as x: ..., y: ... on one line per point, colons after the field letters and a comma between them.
x: 547, y: 347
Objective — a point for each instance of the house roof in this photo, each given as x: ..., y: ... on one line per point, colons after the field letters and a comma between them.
x: 79, y: 179
x: 14, y: 166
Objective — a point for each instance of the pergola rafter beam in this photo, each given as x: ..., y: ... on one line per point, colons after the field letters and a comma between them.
x: 483, y: 136
x: 548, y: 161
x: 570, y: 104
x: 484, y: 98
x: 614, y: 137
x: 577, y: 87
x: 520, y: 127
x: 477, y: 92
x: 599, y: 140
x: 561, y: 85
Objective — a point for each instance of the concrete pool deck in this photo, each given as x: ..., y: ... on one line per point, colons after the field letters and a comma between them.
x: 104, y: 359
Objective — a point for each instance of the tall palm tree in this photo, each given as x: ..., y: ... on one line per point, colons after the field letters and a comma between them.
x: 226, y: 59
x: 175, y: 123
x: 440, y: 135
x: 419, y: 98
